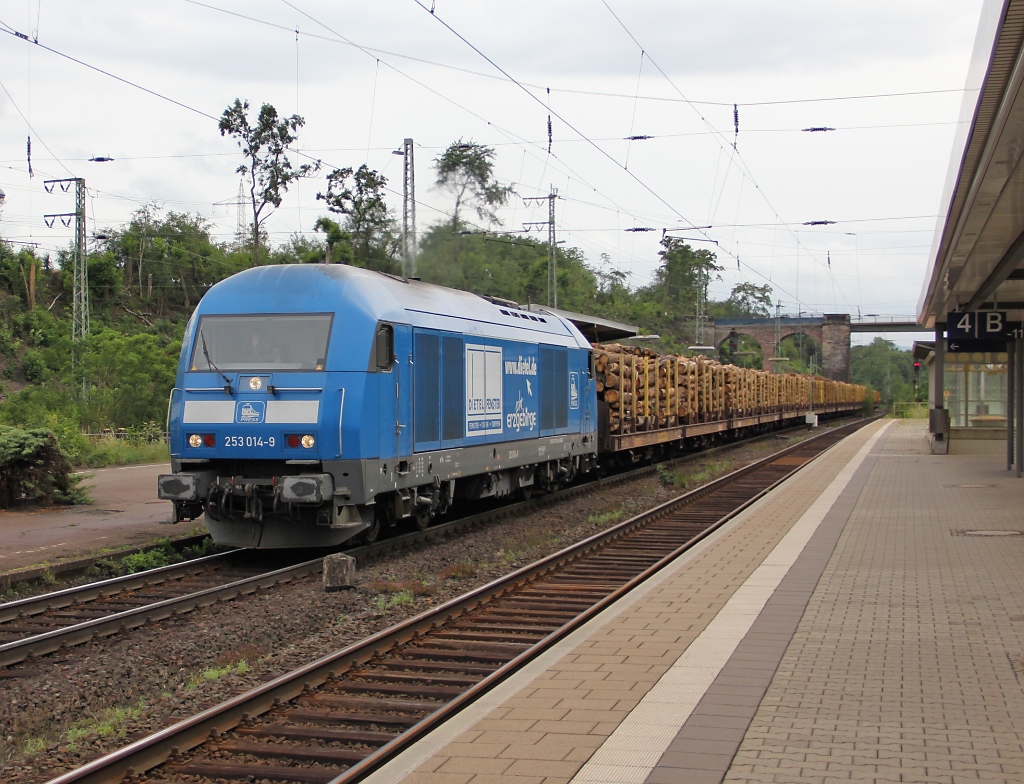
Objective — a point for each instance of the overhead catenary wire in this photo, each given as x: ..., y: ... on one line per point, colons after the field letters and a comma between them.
x: 10, y: 31
x: 631, y: 207
x: 722, y: 139
x: 13, y: 32
x: 571, y: 91
x: 632, y: 121
x: 507, y: 134
x: 604, y: 153
x: 33, y: 130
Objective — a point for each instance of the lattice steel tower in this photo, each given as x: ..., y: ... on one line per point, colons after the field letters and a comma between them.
x: 552, y: 258
x: 241, y: 218
x: 80, y: 310
x: 80, y: 321
x: 408, y: 210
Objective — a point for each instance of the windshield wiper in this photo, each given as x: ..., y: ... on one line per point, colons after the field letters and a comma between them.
x: 206, y: 353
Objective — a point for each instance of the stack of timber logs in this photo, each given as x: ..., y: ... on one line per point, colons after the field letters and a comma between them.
x: 645, y: 390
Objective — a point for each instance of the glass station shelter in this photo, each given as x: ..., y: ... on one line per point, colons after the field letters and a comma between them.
x: 973, y: 297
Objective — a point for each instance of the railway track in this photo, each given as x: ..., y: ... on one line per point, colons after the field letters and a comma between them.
x: 41, y: 625
x: 337, y: 719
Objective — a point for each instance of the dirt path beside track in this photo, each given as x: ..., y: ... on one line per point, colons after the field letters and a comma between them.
x: 125, y: 513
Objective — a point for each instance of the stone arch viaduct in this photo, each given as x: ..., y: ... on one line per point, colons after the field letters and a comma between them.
x: 830, y: 331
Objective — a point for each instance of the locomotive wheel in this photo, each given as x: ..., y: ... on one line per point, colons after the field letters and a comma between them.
x: 372, y: 534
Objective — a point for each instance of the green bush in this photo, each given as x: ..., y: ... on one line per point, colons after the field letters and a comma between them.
x: 164, y: 555
x: 33, y: 468
x: 666, y: 476
x: 33, y: 366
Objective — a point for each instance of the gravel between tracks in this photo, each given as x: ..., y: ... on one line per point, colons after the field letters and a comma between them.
x: 74, y: 706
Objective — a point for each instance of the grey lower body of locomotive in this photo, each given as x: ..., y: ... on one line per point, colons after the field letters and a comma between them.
x: 353, y: 496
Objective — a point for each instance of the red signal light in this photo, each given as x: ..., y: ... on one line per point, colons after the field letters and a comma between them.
x: 209, y: 440
x: 293, y: 441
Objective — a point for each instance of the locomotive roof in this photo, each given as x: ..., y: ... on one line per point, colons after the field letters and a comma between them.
x: 307, y: 288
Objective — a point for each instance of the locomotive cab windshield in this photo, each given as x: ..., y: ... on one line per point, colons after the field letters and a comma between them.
x: 278, y: 342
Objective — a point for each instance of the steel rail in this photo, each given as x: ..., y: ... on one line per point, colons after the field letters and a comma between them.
x: 167, y: 744
x: 48, y: 642
x: 51, y: 641
x: 34, y: 605
x: 76, y: 634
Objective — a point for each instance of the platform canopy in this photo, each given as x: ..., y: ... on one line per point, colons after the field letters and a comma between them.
x: 978, y: 250
x: 594, y: 329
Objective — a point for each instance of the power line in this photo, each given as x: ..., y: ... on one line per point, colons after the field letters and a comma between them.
x: 787, y: 101
x: 575, y: 130
x: 472, y: 72
x: 524, y: 142
x: 11, y: 31
x: 514, y: 138
x: 723, y: 142
x: 34, y: 131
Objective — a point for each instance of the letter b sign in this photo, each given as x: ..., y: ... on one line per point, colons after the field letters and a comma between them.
x: 992, y: 324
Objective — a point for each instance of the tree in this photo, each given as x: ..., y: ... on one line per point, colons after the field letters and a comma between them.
x: 467, y: 171
x: 751, y: 300
x: 882, y: 365
x: 18, y: 272
x: 682, y: 279
x: 359, y: 196
x: 338, y: 241
x: 613, y: 296
x: 265, y: 145
x: 175, y: 257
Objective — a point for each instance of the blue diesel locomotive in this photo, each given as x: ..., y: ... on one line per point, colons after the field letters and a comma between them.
x: 317, y: 403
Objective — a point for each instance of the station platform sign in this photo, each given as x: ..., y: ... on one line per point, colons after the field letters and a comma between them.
x: 980, y: 331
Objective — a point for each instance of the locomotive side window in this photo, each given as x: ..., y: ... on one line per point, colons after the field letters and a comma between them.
x: 384, y: 347
x: 274, y: 341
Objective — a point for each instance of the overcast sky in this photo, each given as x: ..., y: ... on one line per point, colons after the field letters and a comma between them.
x: 367, y: 75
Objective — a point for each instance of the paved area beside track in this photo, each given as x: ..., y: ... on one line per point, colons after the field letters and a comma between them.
x: 864, y: 622
x: 126, y: 513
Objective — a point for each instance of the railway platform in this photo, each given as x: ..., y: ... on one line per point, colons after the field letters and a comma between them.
x: 862, y: 622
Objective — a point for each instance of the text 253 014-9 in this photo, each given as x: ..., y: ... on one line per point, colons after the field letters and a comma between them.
x: 249, y: 441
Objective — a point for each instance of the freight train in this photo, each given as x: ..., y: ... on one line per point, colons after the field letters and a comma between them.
x: 315, y: 404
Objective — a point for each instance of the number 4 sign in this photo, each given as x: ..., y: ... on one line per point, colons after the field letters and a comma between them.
x: 977, y: 324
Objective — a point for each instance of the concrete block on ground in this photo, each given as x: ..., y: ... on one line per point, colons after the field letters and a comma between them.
x: 339, y: 572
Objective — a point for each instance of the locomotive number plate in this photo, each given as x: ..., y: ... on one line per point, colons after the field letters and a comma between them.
x: 251, y: 441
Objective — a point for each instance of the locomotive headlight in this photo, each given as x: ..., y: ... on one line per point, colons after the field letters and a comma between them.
x: 308, y: 441
x: 195, y: 440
